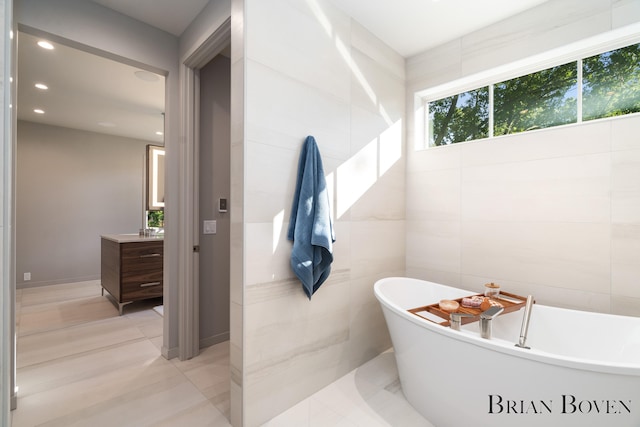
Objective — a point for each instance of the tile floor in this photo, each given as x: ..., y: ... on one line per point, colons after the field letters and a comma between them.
x: 369, y: 396
x: 80, y: 364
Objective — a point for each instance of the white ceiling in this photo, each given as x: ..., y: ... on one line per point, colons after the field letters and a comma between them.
x: 408, y: 26
x: 172, y: 16
x: 86, y: 90
x: 413, y: 26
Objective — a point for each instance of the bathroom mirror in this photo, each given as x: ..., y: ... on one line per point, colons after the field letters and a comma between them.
x: 155, y: 177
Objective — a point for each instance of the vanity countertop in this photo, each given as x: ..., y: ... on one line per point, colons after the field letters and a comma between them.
x: 133, y: 237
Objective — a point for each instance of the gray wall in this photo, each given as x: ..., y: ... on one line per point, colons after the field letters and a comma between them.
x: 71, y: 187
x: 8, y: 396
x: 214, y: 184
x: 114, y: 35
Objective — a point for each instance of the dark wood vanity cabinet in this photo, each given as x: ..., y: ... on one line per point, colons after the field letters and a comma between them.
x: 132, y: 270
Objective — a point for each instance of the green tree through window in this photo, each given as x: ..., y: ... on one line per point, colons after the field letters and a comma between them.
x: 535, y: 101
x: 610, y: 87
x: 611, y: 83
x: 461, y: 117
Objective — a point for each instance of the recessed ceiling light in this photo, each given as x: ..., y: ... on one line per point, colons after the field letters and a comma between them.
x: 42, y: 86
x: 45, y: 44
x: 159, y: 133
x: 38, y: 111
x: 146, y: 76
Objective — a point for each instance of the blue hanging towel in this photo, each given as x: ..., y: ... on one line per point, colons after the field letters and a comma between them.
x: 310, y: 225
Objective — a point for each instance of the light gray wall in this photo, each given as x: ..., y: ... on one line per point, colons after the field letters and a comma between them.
x: 71, y: 187
x: 203, y: 26
x: 554, y: 213
x: 8, y: 398
x: 215, y: 170
x: 311, y: 70
x: 103, y: 31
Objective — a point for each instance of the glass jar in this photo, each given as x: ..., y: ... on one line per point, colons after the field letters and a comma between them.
x: 491, y: 290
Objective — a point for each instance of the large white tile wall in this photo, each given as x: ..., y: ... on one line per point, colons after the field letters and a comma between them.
x: 311, y: 70
x: 237, y: 246
x: 554, y: 213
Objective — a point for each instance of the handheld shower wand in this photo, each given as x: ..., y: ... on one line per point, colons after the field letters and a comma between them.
x: 525, y: 323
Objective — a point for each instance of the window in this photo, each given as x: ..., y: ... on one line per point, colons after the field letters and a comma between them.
x: 535, y: 101
x: 610, y: 86
x: 611, y: 83
x: 461, y: 117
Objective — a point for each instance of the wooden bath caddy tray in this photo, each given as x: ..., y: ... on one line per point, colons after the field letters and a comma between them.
x: 427, y: 311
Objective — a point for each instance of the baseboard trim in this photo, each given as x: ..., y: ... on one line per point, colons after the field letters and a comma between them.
x: 215, y: 339
x: 26, y: 285
x: 169, y: 353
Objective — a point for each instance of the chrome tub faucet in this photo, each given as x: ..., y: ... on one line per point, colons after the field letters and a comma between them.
x: 486, y: 318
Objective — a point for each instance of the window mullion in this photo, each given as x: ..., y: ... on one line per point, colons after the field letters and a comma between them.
x: 579, y: 90
x: 426, y: 128
x: 491, y: 111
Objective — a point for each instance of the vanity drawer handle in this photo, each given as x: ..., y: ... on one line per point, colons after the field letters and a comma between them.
x: 150, y: 255
x: 146, y: 285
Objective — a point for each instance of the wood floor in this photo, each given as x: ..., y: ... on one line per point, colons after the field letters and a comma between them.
x: 80, y: 364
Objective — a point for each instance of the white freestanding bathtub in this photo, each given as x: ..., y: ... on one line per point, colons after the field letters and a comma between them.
x: 582, y: 369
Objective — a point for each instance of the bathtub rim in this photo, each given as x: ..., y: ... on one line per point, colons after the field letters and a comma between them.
x: 503, y: 346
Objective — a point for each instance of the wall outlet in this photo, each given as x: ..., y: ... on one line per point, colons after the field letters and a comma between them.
x: 27, y: 277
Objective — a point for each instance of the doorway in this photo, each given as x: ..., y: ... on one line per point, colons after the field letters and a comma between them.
x: 213, y: 158
x: 84, y: 124
x: 85, y: 171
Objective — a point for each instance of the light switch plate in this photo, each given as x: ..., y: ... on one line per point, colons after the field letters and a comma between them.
x: 209, y: 227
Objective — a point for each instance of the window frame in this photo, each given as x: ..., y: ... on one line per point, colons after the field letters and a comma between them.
x: 573, y: 52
